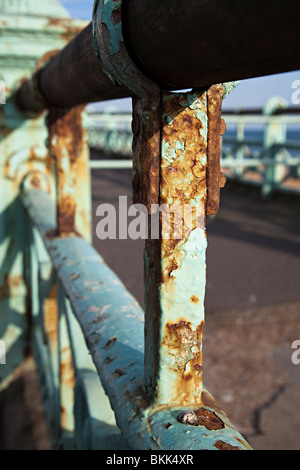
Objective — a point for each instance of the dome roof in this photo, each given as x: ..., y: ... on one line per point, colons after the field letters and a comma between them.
x: 45, y: 8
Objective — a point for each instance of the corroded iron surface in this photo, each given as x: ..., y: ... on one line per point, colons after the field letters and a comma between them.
x: 175, y: 264
x: 101, y: 304
x: 68, y: 146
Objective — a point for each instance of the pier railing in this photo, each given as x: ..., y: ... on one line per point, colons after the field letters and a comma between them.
x: 113, y: 376
x: 256, y: 148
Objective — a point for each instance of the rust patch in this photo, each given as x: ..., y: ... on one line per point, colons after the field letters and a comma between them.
x: 146, y: 150
x: 53, y: 234
x: 223, y: 127
x: 64, y: 417
x: 99, y: 318
x: 10, y: 283
x: 28, y: 167
x: 116, y: 16
x: 109, y: 360
x: 183, y: 175
x: 51, y: 315
x: 184, y: 345
x: 36, y: 181
x: 119, y: 372
x: 202, y: 417
x: 194, y: 299
x: 225, y: 446
x: 15, y: 281
x: 167, y: 425
x: 110, y: 343
x: 216, y: 128
x: 182, y: 184
x: 140, y: 404
x: 74, y: 277
x: 67, y: 373
x: 68, y: 146
x: 186, y: 150
x: 182, y: 333
x: 66, y: 210
x: 66, y: 132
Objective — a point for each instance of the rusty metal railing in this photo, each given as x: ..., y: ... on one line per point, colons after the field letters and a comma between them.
x: 150, y: 365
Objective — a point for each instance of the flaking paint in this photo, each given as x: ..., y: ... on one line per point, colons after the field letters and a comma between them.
x: 116, y: 345
x: 176, y: 268
x: 68, y: 147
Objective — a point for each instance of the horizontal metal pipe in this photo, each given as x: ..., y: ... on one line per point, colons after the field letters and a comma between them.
x: 259, y: 143
x: 225, y: 163
x: 230, y: 117
x: 110, y: 164
x: 112, y: 323
x: 260, y: 119
x: 195, y: 43
x: 74, y: 76
x: 252, y: 162
x: 259, y: 111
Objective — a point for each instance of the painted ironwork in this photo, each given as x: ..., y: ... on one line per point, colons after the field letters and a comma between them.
x: 112, y: 376
x: 28, y: 30
x: 271, y: 160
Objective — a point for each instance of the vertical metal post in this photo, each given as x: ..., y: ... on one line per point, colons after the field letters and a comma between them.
x: 46, y: 26
x: 175, y: 263
x: 275, y: 133
x: 68, y: 146
x: 50, y: 337
x: 66, y: 377
x: 176, y: 166
x: 240, y: 135
x: 94, y: 421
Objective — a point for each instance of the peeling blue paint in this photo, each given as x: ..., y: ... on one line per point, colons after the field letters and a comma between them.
x: 229, y: 87
x: 101, y: 303
x: 115, y: 30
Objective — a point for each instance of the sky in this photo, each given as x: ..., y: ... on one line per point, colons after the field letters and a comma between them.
x: 252, y: 93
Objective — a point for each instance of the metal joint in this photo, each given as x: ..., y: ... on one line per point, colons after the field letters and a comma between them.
x: 111, y: 50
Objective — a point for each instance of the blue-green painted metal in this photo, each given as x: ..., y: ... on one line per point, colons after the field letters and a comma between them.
x: 146, y: 400
x: 174, y: 305
x: 113, y: 377
x: 120, y: 68
x: 95, y: 425
x: 28, y: 29
x: 113, y: 326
